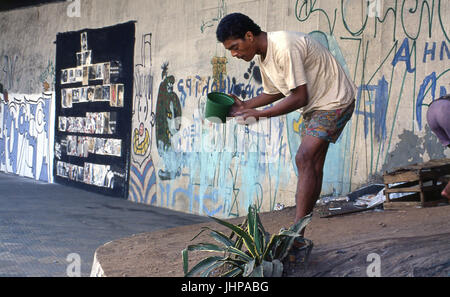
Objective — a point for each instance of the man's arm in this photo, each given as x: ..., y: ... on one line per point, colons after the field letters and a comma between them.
x: 297, y: 99
x: 258, y: 101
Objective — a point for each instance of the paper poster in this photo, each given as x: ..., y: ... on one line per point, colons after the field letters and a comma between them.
x: 120, y: 95
x: 84, y: 41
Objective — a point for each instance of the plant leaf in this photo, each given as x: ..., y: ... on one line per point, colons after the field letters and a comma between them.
x: 207, y: 247
x: 248, y: 241
x: 209, y: 269
x: 257, y: 271
x: 301, y: 224
x: 220, y: 237
x: 204, y: 264
x: 239, y: 253
x: 184, y: 255
x: 248, y: 268
x: 233, y: 272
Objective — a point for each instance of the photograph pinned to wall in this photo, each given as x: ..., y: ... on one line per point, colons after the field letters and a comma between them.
x: 120, y: 95
x: 70, y: 123
x: 113, y: 147
x: 90, y: 94
x: 84, y: 41
x: 90, y: 123
x: 98, y: 96
x: 80, y: 175
x: 99, y: 146
x: 99, y: 122
x: 117, y: 147
x: 99, y: 174
x: 87, y: 173
x: 106, y: 92
x: 71, y: 145
x: 113, y: 98
x: 62, y: 124
x: 85, y: 75
x: 91, y: 145
x: 83, y: 95
x: 80, y: 124
x: 60, y: 169
x: 98, y: 71
x: 109, y: 178
x: 82, y: 147
x: 79, y: 74
x: 75, y: 95
x: 106, y: 123
x: 64, y: 98
x: 64, y: 76
x: 73, y: 172
x: 106, y: 73
x: 87, y: 57
x: 72, y: 75
x: 80, y: 59
x: 108, y: 147
x: 92, y: 72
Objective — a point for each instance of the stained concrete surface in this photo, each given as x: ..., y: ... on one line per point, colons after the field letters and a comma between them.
x: 42, y: 224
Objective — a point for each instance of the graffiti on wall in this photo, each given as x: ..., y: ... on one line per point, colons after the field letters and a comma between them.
x: 415, y: 39
x: 205, y: 168
x: 142, y: 172
x: 25, y: 136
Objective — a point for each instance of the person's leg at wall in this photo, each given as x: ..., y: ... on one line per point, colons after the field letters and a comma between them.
x: 310, y: 160
x: 439, y: 121
x: 446, y: 191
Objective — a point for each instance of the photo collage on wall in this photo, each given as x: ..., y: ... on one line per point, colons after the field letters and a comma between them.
x: 89, y: 142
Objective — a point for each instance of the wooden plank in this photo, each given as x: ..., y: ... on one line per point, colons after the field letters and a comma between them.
x: 416, y: 188
x: 392, y: 205
x: 405, y: 176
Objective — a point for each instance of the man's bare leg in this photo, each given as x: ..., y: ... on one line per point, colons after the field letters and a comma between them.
x: 310, y: 160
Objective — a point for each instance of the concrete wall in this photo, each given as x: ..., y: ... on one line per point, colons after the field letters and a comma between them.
x: 396, y: 51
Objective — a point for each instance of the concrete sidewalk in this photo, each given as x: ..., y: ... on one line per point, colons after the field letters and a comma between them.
x: 42, y: 224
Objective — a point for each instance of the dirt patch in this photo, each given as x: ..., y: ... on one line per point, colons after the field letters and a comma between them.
x: 409, y: 242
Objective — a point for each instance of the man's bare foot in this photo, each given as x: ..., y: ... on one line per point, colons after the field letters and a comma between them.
x: 446, y: 191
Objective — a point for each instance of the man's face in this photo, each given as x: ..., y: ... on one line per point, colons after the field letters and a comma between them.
x: 241, y: 48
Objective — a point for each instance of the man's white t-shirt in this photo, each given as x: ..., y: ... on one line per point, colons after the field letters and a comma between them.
x: 294, y: 59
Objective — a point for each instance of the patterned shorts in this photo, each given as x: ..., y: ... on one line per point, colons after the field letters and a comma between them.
x: 327, y: 124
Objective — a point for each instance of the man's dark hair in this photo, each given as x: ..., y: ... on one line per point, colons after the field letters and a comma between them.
x: 236, y: 25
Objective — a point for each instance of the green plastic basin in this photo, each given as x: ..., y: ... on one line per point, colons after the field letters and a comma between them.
x: 218, y: 106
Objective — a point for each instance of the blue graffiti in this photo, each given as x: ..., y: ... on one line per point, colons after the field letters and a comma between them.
x: 378, y: 115
x: 404, y: 55
x: 432, y: 51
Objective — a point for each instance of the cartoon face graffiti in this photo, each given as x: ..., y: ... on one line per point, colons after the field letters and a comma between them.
x: 144, y: 123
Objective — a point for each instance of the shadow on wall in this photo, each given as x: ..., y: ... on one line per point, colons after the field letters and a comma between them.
x: 411, y: 149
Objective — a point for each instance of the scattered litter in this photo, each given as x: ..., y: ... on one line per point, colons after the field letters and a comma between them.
x: 328, y: 199
x: 279, y: 206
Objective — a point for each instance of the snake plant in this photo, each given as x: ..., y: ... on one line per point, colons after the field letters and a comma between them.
x: 249, y: 251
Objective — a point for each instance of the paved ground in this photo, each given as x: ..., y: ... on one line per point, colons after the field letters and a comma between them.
x: 42, y: 224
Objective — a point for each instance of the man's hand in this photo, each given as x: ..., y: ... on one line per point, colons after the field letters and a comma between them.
x: 247, y: 116
x: 238, y: 105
